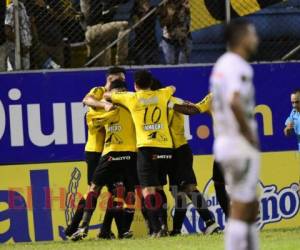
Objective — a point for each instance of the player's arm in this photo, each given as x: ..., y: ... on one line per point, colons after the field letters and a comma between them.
x: 94, y: 98
x: 186, y: 108
x: 239, y: 115
x: 93, y: 102
x: 289, y: 127
x: 107, y: 96
x: 121, y: 98
x: 100, y: 119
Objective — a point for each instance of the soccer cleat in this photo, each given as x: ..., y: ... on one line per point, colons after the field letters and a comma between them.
x: 213, y: 228
x: 160, y: 234
x: 106, y: 235
x: 126, y: 235
x: 163, y: 233
x: 80, y: 234
x: 69, y: 231
x: 175, y: 233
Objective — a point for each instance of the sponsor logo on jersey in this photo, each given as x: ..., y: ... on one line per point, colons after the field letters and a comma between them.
x: 120, y: 158
x: 151, y: 127
x: 114, y: 128
x: 161, y: 157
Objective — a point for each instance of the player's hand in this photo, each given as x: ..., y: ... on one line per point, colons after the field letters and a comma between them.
x: 109, y: 106
x: 290, y: 126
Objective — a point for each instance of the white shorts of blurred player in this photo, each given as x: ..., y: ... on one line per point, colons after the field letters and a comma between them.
x: 241, y: 166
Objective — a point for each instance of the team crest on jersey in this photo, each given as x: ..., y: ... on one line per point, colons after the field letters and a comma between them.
x: 275, y: 205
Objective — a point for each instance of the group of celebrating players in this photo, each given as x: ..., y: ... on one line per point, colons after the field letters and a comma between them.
x: 136, y: 140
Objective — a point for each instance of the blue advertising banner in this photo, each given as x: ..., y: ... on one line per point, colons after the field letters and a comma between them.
x: 42, y: 118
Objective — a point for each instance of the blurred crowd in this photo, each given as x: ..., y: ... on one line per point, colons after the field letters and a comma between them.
x: 57, y: 33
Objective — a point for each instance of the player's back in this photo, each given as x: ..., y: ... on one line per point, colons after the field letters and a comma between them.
x: 150, y: 115
x: 149, y: 111
x: 231, y: 74
x: 120, y: 133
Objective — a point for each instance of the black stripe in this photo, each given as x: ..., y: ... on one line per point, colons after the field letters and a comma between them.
x: 217, y: 9
x: 265, y: 3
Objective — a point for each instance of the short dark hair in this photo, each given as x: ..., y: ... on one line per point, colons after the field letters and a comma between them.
x: 143, y: 79
x: 297, y: 91
x: 115, y: 70
x: 156, y: 84
x: 118, y: 84
x: 235, y: 30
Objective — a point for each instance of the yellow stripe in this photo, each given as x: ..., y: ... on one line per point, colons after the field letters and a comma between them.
x: 245, y: 7
x: 201, y: 17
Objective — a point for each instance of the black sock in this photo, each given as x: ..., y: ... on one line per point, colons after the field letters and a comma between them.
x: 128, y: 218
x: 76, y: 219
x: 108, y: 218
x: 163, y: 209
x: 91, y: 203
x: 129, y: 211
x: 153, y: 212
x: 222, y: 197
x: 200, y: 204
x: 118, y: 216
x: 179, y: 213
x: 145, y: 215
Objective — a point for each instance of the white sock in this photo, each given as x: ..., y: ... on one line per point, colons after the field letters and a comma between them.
x: 236, y: 235
x: 253, y: 237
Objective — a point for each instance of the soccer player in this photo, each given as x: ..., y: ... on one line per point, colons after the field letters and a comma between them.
x: 94, y: 147
x: 182, y: 177
x: 154, y: 142
x: 293, y: 121
x: 117, y: 165
x: 204, y: 106
x: 235, y: 128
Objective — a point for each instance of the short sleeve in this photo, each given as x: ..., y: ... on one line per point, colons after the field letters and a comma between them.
x: 205, y: 104
x: 175, y: 100
x: 97, y: 93
x: 168, y: 92
x: 122, y: 98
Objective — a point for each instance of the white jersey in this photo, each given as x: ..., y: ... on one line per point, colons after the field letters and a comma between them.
x: 231, y: 74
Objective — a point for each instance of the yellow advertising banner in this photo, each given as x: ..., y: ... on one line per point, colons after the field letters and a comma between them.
x: 37, y: 200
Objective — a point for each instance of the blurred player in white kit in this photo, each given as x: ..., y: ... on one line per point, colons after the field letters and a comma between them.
x: 236, y: 140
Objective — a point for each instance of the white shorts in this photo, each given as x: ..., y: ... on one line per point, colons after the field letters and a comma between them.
x: 241, y: 164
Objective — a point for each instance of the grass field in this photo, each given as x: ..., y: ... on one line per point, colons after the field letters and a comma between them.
x: 270, y: 240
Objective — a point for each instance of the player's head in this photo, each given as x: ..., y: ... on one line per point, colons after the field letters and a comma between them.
x: 295, y: 99
x: 241, y: 35
x: 142, y: 80
x: 118, y: 85
x: 156, y: 84
x: 114, y: 73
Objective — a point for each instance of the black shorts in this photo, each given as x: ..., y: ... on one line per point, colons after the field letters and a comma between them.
x: 153, y: 165
x: 114, y: 167
x: 182, y: 172
x: 92, y: 159
x: 218, y: 175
